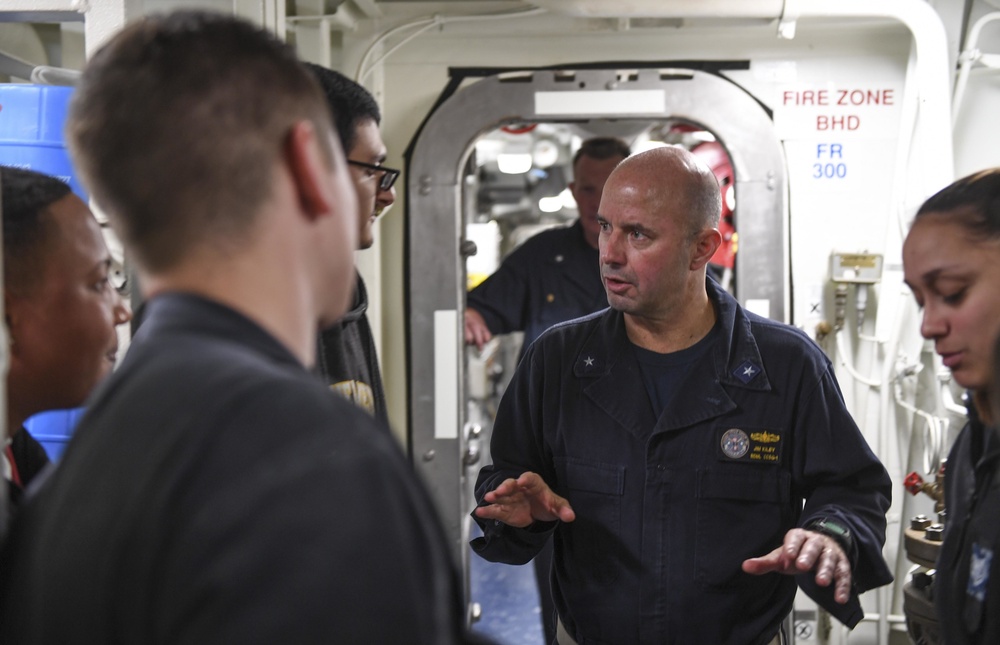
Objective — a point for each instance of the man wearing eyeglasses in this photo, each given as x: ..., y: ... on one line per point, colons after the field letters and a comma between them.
x: 347, y: 358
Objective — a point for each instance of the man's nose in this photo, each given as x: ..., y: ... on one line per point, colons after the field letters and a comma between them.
x: 610, y: 248
x: 386, y: 197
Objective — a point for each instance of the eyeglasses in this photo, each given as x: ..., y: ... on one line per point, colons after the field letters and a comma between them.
x: 389, y: 175
x: 118, y: 279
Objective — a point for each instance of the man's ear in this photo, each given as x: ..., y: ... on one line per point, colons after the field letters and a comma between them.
x: 705, y: 245
x: 309, y: 167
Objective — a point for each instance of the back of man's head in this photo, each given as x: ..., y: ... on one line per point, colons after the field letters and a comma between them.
x: 602, y: 148
x: 25, y: 195
x: 351, y: 103
x: 178, y: 124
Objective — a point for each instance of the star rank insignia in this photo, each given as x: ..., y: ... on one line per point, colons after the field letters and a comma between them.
x: 746, y: 371
x: 589, y: 364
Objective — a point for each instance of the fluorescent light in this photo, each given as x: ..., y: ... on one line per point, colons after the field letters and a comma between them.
x: 566, y: 199
x: 550, y: 204
x: 514, y: 164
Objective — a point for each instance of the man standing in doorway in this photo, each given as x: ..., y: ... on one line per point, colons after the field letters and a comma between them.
x: 554, y: 276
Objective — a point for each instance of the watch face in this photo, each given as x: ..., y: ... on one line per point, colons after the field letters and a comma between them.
x: 832, y: 529
x: 735, y: 443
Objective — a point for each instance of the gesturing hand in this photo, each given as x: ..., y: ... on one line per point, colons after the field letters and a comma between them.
x: 807, y: 551
x: 522, y: 501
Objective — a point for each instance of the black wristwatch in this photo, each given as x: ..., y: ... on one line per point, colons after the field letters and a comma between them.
x: 840, y: 533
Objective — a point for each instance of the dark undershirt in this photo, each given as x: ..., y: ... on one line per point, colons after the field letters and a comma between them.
x: 662, y: 374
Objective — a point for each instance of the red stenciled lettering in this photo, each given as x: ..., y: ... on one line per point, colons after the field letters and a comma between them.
x: 838, y: 122
x: 865, y: 97
x: 805, y: 97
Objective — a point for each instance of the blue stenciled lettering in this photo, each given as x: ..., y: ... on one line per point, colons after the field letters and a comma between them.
x: 828, y: 165
x: 829, y: 170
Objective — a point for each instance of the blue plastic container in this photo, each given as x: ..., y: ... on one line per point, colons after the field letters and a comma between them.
x: 53, y: 429
x: 32, y: 118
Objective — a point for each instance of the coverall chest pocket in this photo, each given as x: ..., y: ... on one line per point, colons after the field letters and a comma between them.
x: 594, y: 490
x: 743, y: 512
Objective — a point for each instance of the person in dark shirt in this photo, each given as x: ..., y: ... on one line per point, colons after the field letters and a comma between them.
x: 61, y: 310
x: 215, y: 491
x: 554, y: 276
x: 687, y: 457
x: 951, y: 260
x: 347, y: 358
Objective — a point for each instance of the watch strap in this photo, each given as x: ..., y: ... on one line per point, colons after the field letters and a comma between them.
x: 840, y: 533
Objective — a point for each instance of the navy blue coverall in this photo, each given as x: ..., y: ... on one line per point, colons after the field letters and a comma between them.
x: 667, y: 509
x: 967, y: 593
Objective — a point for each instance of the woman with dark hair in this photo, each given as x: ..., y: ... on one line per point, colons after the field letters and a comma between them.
x: 951, y: 260
x: 59, y: 307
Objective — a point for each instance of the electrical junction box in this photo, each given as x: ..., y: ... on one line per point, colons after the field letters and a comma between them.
x: 856, y: 268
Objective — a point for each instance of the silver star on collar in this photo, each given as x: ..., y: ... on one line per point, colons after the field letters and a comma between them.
x: 749, y: 371
x: 589, y: 361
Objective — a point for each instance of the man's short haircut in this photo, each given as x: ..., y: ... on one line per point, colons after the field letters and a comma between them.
x: 178, y: 123
x: 602, y: 148
x: 351, y: 103
x: 25, y: 196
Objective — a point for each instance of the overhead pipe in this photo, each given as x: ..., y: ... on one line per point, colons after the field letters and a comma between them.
x: 968, y: 58
x: 665, y: 8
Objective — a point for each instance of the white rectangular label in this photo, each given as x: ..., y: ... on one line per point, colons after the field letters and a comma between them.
x: 601, y: 102
x: 446, y: 374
